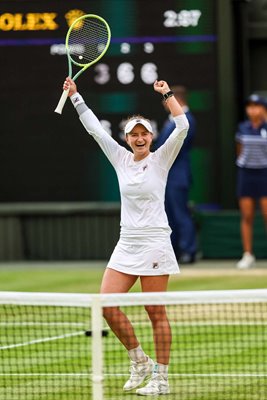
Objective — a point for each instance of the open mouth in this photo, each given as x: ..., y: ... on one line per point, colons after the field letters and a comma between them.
x: 140, y: 145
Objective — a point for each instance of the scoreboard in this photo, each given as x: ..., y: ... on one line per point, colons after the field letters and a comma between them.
x: 46, y: 157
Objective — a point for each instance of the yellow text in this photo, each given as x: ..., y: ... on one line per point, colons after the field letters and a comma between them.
x: 28, y: 22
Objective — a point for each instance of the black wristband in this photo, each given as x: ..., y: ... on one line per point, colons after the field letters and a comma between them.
x: 167, y: 95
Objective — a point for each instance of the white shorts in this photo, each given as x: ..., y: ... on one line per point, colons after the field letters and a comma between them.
x: 144, y: 256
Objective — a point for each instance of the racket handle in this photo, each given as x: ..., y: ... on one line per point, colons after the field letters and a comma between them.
x: 62, y: 101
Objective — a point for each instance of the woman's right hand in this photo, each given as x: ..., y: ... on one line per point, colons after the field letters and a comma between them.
x: 69, y: 84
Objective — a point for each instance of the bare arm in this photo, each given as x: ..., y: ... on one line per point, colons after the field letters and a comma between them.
x: 175, y: 109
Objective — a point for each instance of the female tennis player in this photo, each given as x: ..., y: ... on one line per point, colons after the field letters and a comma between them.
x: 144, y: 249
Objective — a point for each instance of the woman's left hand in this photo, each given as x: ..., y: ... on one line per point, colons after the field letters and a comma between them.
x: 161, y: 87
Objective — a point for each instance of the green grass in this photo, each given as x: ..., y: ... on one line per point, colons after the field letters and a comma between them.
x: 86, y: 277
x: 59, y: 366
x: 232, y: 353
x: 52, y: 278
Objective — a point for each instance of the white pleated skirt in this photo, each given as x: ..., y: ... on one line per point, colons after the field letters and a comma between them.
x: 142, y: 255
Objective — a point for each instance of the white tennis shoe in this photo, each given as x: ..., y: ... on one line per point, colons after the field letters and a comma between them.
x: 156, y: 386
x: 247, y: 261
x: 139, y: 372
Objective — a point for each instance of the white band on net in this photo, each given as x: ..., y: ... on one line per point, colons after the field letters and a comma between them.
x: 125, y: 299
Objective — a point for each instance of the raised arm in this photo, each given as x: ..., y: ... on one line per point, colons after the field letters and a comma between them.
x: 169, y: 150
x: 163, y: 88
x: 110, y: 147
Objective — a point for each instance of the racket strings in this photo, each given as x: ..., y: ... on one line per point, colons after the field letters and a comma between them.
x: 88, y: 40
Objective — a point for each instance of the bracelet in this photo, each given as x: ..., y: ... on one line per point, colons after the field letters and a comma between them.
x: 167, y: 95
x: 76, y: 99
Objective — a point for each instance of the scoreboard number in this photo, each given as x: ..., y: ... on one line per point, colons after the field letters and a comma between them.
x: 184, y: 18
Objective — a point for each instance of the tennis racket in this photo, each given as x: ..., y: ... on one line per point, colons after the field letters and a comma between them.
x: 87, y: 40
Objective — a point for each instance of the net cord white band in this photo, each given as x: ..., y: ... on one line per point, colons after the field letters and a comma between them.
x: 126, y: 299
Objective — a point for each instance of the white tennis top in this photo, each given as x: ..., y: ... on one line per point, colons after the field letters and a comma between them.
x: 142, y: 183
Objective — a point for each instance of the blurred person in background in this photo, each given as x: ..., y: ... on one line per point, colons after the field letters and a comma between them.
x: 251, y: 138
x: 183, y: 235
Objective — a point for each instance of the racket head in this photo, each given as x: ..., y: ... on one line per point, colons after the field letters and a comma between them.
x: 87, y: 40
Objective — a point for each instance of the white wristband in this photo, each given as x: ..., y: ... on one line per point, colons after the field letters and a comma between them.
x: 76, y: 99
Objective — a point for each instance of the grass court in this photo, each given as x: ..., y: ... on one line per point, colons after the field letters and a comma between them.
x: 46, y: 355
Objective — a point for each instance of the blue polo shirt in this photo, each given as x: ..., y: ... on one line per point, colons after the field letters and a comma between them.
x: 254, y: 145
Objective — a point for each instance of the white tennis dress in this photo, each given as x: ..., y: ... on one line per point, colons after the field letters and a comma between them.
x: 144, y: 247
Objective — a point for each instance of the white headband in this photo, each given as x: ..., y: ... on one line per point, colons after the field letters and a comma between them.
x: 131, y: 124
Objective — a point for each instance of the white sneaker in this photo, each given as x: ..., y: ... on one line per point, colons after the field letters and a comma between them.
x: 247, y: 261
x: 139, y: 372
x: 157, y: 385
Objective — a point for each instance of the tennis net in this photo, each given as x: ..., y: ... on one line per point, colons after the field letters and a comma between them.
x: 57, y: 346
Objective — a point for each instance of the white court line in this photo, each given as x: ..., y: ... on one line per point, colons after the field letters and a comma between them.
x: 143, y: 323
x: 48, y: 339
x: 222, y: 375
x: 227, y: 375
x: 41, y: 324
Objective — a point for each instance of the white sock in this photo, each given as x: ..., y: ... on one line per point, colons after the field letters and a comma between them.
x: 137, y: 355
x: 162, y: 369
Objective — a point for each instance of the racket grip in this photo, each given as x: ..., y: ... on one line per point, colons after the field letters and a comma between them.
x: 62, y: 101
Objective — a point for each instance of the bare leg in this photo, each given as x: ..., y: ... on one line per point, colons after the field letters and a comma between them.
x: 263, y: 205
x: 158, y: 316
x: 118, y: 282
x: 247, y: 208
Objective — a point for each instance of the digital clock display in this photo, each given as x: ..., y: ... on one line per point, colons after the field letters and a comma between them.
x: 46, y: 157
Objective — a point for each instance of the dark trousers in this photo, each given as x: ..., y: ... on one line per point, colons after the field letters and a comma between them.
x: 183, y: 235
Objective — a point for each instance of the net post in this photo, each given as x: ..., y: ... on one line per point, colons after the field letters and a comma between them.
x: 97, y: 348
